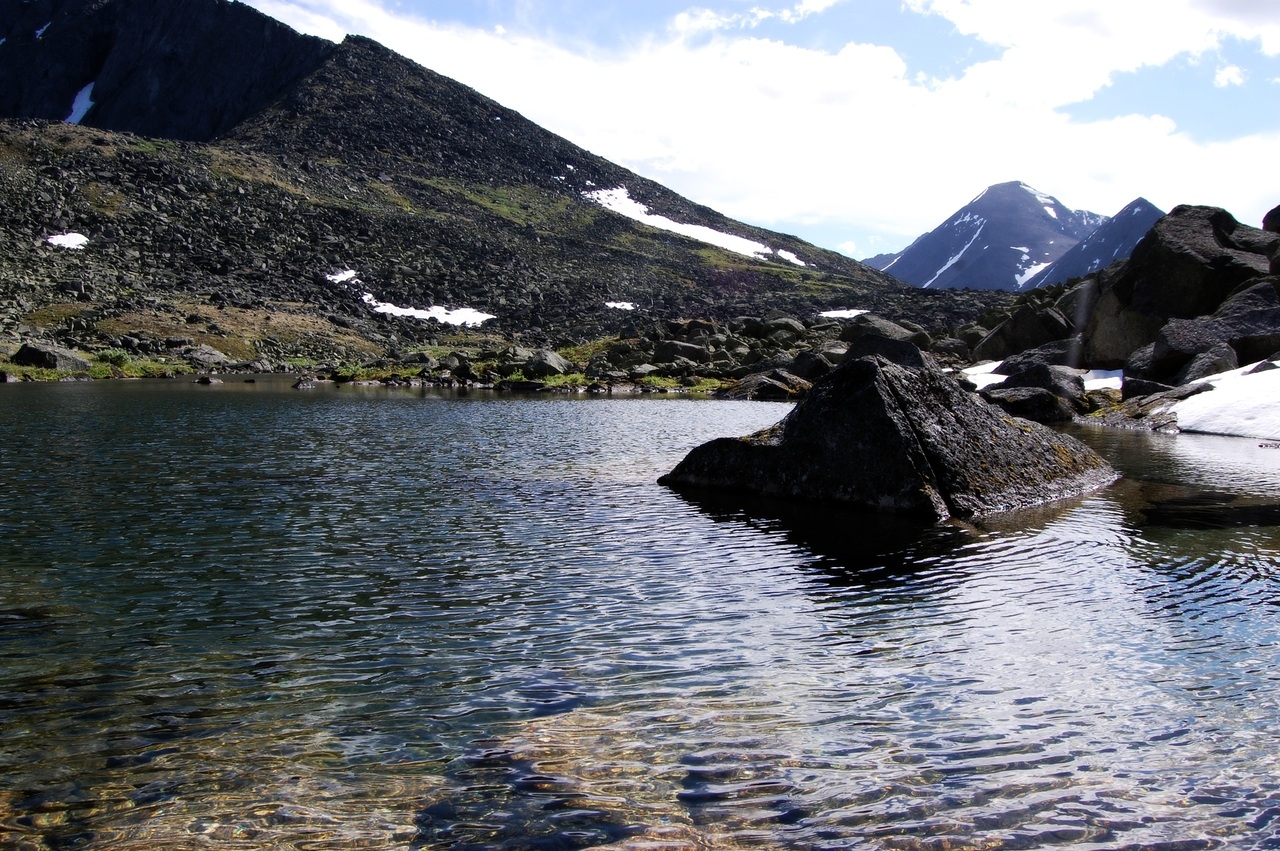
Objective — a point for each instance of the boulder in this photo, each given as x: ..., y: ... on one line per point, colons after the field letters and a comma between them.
x: 546, y: 363
x: 1248, y: 323
x: 869, y: 323
x: 1058, y: 353
x: 774, y: 386
x: 1220, y: 358
x: 1030, y: 326
x: 1185, y: 267
x: 902, y: 352
x: 878, y: 436
x: 48, y: 356
x: 1271, y: 221
x: 205, y: 356
x: 1031, y: 403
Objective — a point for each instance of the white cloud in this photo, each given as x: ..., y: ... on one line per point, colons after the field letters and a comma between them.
x: 849, y: 142
x: 1230, y: 75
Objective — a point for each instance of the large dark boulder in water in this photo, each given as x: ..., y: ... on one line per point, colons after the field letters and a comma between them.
x: 880, y: 436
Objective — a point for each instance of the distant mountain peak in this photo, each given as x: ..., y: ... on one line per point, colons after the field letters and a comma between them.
x: 1003, y: 239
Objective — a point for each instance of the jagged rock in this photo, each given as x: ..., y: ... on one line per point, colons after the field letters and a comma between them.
x: 810, y: 365
x: 1137, y: 388
x: 953, y: 347
x: 1271, y: 221
x: 1058, y: 353
x: 1217, y: 359
x: 46, y: 356
x: 1030, y: 326
x: 774, y: 386
x: 878, y: 436
x: 1248, y: 323
x: 1042, y: 392
x: 869, y: 323
x: 901, y: 352
x: 1030, y: 403
x: 1185, y: 267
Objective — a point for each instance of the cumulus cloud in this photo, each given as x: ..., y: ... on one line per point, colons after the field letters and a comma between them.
x: 1230, y: 75
x: 848, y: 142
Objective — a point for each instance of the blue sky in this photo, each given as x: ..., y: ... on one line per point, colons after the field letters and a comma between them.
x: 859, y: 124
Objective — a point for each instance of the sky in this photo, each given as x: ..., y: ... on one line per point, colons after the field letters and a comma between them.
x: 860, y: 124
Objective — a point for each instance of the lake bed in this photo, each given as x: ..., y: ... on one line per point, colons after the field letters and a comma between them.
x: 243, y: 615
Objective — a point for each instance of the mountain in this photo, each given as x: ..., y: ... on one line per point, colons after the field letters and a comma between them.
x: 228, y: 161
x: 189, y: 70
x: 998, y: 241
x: 1113, y: 240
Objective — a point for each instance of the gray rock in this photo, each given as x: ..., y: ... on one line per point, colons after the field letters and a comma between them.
x: 902, y: 352
x: 48, y: 356
x: 878, y: 436
x: 1058, y: 353
x: 774, y: 386
x: 1030, y: 326
x: 1220, y: 358
x: 1031, y: 403
x: 205, y: 357
x: 546, y: 363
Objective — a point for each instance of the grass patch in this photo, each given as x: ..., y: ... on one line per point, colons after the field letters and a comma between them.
x: 57, y: 313
x: 391, y: 196
x: 584, y: 352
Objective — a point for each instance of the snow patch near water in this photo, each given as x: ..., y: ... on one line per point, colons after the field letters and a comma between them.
x: 1240, y: 405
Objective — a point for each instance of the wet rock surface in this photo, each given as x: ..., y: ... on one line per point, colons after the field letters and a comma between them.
x: 878, y: 436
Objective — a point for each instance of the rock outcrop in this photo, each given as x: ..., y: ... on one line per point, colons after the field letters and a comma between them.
x: 878, y: 436
x: 1186, y: 267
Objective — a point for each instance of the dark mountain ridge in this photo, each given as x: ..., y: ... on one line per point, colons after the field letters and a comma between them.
x: 1113, y: 240
x: 177, y: 70
x: 999, y: 240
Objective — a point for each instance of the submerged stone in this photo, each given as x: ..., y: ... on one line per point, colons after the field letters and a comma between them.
x: 880, y: 436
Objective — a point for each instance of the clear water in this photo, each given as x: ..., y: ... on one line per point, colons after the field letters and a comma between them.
x: 244, y: 616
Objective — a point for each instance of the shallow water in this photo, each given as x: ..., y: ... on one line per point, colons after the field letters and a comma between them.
x: 243, y: 616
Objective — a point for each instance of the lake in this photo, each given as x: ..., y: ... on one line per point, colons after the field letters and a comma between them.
x: 246, y: 616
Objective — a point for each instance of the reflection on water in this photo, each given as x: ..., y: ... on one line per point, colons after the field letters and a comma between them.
x: 242, y: 616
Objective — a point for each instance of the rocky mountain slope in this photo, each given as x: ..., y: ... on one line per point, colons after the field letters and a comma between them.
x: 172, y: 70
x: 998, y: 241
x: 1114, y: 240
x: 426, y: 192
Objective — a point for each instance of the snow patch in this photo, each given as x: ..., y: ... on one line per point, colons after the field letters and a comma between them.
x: 1240, y: 405
x: 791, y: 258
x: 1103, y: 379
x: 342, y: 277
x: 956, y: 259
x: 40, y: 32
x: 461, y: 316
x: 68, y: 240
x: 842, y: 314
x: 620, y: 305
x: 619, y: 201
x: 82, y: 104
x: 1030, y: 272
